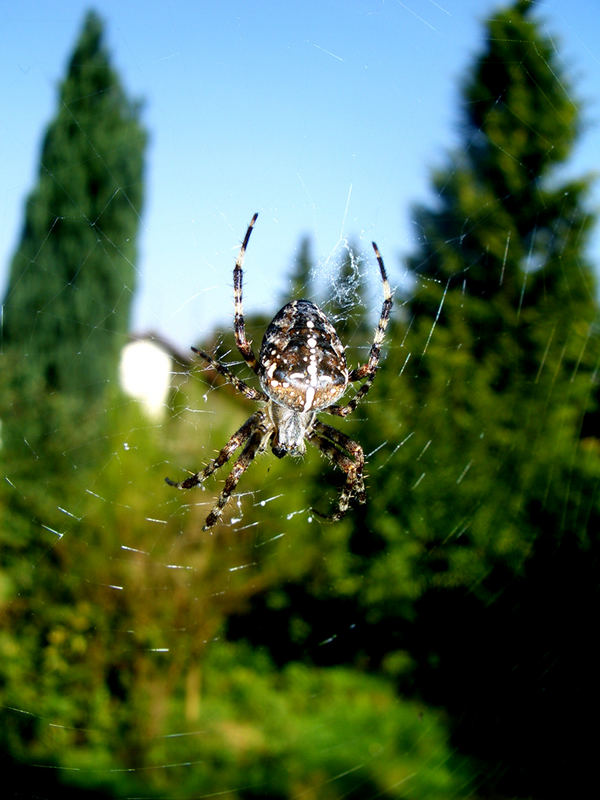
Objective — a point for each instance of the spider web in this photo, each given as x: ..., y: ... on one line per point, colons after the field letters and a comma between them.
x: 183, y: 699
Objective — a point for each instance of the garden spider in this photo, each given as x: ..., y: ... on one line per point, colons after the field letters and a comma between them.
x: 302, y: 371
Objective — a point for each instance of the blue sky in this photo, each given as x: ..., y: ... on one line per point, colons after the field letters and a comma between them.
x: 326, y: 116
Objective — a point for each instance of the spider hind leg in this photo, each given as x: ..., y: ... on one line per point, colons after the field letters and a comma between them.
x: 253, y: 423
x: 335, y: 445
x: 255, y: 445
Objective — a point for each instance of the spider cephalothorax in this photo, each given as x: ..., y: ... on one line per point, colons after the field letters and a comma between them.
x: 302, y: 371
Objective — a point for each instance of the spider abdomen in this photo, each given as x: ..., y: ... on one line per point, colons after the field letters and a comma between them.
x: 302, y: 364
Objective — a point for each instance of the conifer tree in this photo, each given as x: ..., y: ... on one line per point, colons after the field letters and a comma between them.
x: 504, y: 245
x: 499, y: 490
x: 72, y: 278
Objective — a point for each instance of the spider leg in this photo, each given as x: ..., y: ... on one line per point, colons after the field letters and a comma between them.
x: 243, y: 345
x: 256, y: 444
x: 241, y: 386
x: 369, y: 369
x: 334, y: 444
x: 238, y: 439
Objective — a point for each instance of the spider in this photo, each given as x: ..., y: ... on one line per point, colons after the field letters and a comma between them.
x: 302, y: 371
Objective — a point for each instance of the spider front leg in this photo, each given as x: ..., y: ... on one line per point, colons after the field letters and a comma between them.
x: 332, y: 443
x: 243, y: 345
x: 237, y: 440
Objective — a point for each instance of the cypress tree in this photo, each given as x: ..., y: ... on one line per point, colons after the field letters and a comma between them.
x: 67, y: 306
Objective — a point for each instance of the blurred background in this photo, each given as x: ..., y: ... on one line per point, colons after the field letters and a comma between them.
x: 435, y: 643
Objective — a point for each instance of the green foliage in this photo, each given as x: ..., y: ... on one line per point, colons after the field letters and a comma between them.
x: 67, y: 305
x: 112, y: 643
